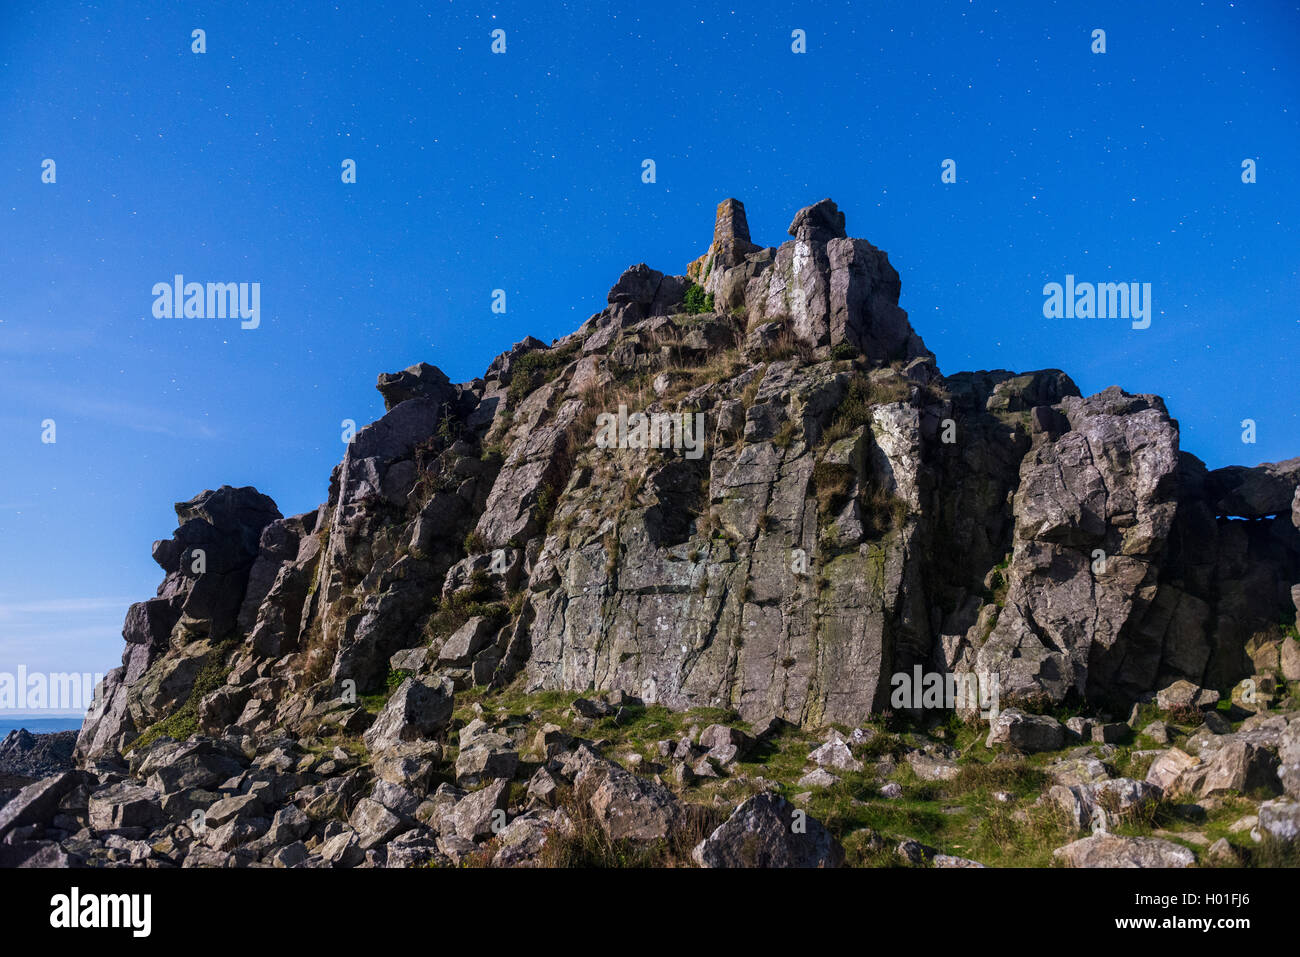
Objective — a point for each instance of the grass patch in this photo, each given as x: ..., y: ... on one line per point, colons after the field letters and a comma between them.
x: 184, y: 721
x: 535, y: 369
x: 854, y: 410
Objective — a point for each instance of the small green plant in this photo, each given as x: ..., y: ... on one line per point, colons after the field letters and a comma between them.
x: 843, y: 351
x: 545, y: 506
x: 184, y: 721
x: 448, y: 427
x: 396, y: 676
x: 697, y: 300
x: 474, y: 544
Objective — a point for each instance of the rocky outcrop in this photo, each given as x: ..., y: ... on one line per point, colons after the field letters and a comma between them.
x: 853, y: 513
x: 731, y: 245
x: 172, y: 638
x: 796, y: 507
x: 1265, y: 490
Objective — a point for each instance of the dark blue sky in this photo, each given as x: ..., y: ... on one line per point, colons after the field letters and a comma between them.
x: 522, y: 171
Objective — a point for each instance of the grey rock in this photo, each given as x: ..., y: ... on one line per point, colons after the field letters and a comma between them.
x: 478, y: 813
x: 38, y: 802
x: 417, y: 710
x: 375, y: 824
x: 835, y: 754
x: 1280, y: 818
x: 768, y: 831
x: 818, y: 778
x: 1025, y: 732
x: 1185, y: 696
x: 343, y: 850
x: 124, y: 805
x: 1108, y: 850
x: 630, y: 807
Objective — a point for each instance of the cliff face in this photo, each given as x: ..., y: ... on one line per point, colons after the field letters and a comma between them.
x: 853, y: 513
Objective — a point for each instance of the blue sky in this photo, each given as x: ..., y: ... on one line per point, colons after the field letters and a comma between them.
x: 522, y: 171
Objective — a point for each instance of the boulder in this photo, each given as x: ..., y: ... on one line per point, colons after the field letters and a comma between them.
x: 465, y: 642
x: 343, y: 850
x: 420, y: 381
x: 1241, y: 492
x: 1025, y: 732
x: 819, y: 223
x: 237, y: 807
x: 1185, y: 696
x: 486, y: 756
x: 724, y: 743
x: 1166, y: 770
x: 835, y: 754
x: 417, y: 710
x: 630, y: 807
x: 477, y: 814
x: 124, y: 805
x: 818, y: 778
x: 1239, y: 766
x: 1280, y: 819
x: 768, y: 831
x: 1109, y: 850
x: 375, y: 824
x: 38, y: 802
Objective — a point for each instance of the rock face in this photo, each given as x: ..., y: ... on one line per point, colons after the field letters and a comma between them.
x: 844, y: 513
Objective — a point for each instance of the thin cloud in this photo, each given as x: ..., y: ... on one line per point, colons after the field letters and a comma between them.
x: 61, y: 606
x: 136, y: 416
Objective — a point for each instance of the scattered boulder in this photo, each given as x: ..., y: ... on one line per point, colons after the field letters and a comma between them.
x: 768, y: 831
x: 1280, y: 818
x: 375, y: 824
x: 1025, y: 732
x: 417, y: 710
x: 38, y: 802
x: 630, y: 807
x: 1109, y: 850
x: 1168, y: 768
x: 1185, y: 696
x: 124, y: 805
x: 835, y: 754
x: 482, y: 812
